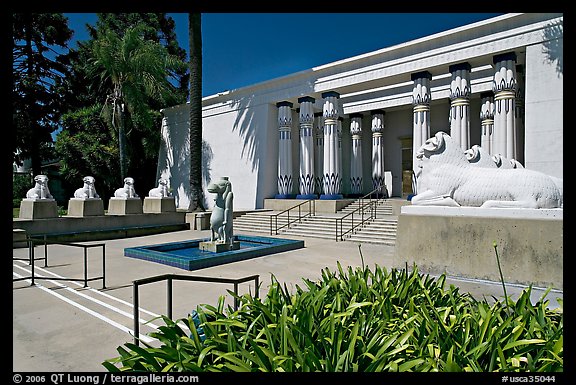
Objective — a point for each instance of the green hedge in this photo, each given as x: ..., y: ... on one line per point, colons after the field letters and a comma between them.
x: 357, y: 319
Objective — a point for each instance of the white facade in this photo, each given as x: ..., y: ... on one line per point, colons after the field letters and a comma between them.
x: 240, y: 127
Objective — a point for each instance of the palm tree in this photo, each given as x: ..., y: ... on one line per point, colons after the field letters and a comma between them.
x: 195, y: 41
x: 134, y: 70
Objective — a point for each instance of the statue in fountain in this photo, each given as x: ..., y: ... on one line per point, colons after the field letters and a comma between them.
x: 221, y: 227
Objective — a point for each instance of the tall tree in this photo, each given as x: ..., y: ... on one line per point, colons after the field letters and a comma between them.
x: 133, y: 69
x: 37, y: 67
x: 83, y: 133
x: 195, y: 42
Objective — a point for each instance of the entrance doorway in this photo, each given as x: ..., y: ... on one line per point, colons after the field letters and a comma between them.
x: 407, y: 171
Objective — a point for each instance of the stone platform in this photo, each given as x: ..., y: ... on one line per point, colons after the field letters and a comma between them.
x: 159, y: 205
x: 38, y: 208
x: 459, y: 241
x: 218, y: 247
x: 85, y: 207
x: 124, y: 206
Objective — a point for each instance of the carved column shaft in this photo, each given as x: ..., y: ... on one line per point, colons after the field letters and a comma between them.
x: 504, y: 87
x: 306, y: 177
x: 378, y: 150
x: 519, y: 116
x: 318, y: 152
x: 332, y: 178
x: 460, y: 104
x: 421, y: 96
x: 284, y: 149
x: 487, y: 121
x: 356, y: 159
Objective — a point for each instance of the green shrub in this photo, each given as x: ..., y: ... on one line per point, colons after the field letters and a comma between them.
x: 357, y: 320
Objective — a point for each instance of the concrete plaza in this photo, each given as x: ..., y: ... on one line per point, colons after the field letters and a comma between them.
x: 62, y: 326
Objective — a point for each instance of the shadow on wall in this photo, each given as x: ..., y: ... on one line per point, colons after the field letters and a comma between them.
x: 554, y: 45
x: 175, y: 164
x: 246, y: 130
x: 207, y: 155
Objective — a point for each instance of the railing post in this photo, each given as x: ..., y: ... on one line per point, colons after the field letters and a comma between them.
x: 32, y: 257
x: 169, y: 296
x: 136, y: 314
x: 45, y: 251
x: 235, y: 296
x: 103, y: 266
x: 85, y: 266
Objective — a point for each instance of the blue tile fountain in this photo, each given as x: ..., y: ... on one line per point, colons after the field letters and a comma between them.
x: 187, y: 255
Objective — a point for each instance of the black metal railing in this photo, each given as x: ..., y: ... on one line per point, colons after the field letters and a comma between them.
x: 295, y: 218
x: 31, y: 242
x: 366, y: 211
x: 171, y: 277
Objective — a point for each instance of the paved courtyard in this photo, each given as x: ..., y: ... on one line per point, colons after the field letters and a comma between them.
x: 62, y: 326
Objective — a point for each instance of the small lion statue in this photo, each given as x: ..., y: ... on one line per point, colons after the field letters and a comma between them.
x: 40, y: 189
x: 222, y: 213
x: 127, y: 191
x: 87, y: 191
x: 161, y: 191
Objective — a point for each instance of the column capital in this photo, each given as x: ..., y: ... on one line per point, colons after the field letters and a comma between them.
x: 329, y: 94
x: 460, y: 67
x: 284, y: 104
x: 504, y: 57
x: 420, y: 75
x: 305, y: 99
x: 355, y: 124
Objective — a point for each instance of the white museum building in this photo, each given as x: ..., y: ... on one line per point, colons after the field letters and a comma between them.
x: 346, y: 128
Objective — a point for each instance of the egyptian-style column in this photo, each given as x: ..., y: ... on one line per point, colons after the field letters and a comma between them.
x: 332, y: 177
x: 487, y: 120
x: 504, y: 87
x: 356, y: 159
x: 318, y: 152
x: 306, y: 178
x: 339, y: 151
x: 519, y: 118
x: 460, y: 104
x: 421, y: 96
x: 284, y: 150
x: 378, y: 152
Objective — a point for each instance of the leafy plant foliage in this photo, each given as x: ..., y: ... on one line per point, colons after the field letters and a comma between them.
x: 358, y: 320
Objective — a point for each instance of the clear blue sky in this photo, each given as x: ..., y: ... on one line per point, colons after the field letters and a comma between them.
x: 241, y: 49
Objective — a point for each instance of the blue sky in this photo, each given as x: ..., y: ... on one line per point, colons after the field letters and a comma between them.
x: 241, y: 49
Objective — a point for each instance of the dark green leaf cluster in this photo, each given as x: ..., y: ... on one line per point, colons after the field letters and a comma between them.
x: 358, y: 320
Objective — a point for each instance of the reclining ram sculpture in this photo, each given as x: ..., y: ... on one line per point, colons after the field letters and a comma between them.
x: 447, y: 178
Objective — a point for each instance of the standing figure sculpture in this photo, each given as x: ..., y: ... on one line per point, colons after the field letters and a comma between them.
x: 222, y: 213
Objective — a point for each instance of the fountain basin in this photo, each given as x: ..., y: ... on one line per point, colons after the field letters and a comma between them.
x: 188, y: 256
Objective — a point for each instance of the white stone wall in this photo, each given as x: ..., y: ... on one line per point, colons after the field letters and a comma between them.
x: 241, y: 128
x: 544, y: 112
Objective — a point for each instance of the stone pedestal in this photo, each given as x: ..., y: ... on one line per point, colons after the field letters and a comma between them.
x: 85, y: 207
x: 218, y: 246
x: 123, y: 206
x: 19, y: 238
x: 159, y: 205
x: 38, y: 208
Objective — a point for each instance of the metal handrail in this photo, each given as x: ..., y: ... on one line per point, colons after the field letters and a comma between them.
x: 31, y: 258
x: 274, y: 218
x: 361, y: 207
x: 171, y: 277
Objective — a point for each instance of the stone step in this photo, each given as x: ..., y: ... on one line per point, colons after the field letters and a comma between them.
x: 381, y: 230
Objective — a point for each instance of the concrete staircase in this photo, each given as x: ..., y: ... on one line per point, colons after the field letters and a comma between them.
x: 381, y: 230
